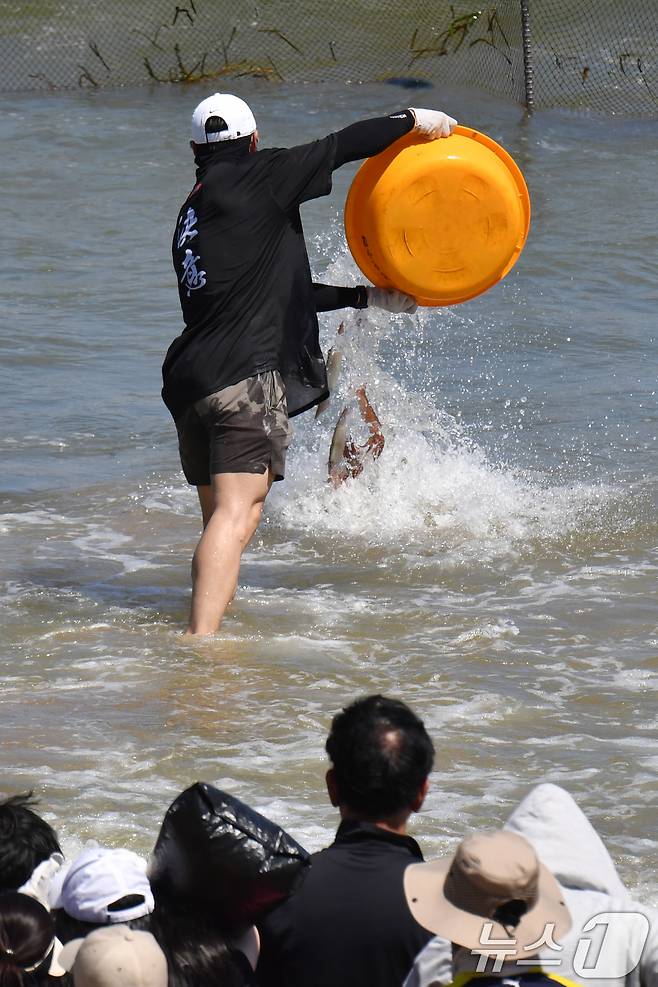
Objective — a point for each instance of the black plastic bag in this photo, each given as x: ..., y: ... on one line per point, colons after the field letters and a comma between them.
x: 214, y: 850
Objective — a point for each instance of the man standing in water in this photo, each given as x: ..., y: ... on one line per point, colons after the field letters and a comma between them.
x: 249, y: 356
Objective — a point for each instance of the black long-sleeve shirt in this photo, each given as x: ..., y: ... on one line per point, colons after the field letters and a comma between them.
x: 244, y: 280
x: 329, y: 297
x: 368, y: 137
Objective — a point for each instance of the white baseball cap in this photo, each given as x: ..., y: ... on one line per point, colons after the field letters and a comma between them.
x: 232, y: 110
x: 115, y: 957
x: 99, y: 879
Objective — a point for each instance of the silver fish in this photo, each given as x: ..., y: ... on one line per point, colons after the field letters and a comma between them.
x: 338, y: 439
x: 334, y: 359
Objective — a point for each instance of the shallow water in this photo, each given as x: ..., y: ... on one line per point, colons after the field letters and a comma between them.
x: 496, y: 568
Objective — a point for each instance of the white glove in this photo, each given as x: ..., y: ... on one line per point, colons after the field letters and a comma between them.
x: 390, y: 300
x: 433, y: 123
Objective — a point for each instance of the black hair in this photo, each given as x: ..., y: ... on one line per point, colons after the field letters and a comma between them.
x: 27, y: 934
x: 215, y: 125
x: 510, y: 913
x: 25, y: 840
x: 197, y: 949
x: 381, y: 755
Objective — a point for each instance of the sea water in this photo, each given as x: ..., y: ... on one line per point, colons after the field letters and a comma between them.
x: 496, y: 568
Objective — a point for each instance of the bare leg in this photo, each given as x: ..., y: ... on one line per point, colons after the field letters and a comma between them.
x: 207, y: 502
x: 237, y: 502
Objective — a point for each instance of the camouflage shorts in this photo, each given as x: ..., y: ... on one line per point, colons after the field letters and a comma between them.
x: 243, y: 428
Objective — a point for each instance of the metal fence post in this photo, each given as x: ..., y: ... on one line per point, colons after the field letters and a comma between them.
x: 527, y: 56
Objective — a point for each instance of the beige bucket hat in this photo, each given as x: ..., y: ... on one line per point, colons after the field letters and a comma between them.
x: 115, y: 956
x: 493, y: 888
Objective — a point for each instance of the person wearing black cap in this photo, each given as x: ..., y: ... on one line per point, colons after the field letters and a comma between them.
x: 249, y: 357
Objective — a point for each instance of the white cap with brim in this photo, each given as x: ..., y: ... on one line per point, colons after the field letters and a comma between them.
x: 494, y: 880
x: 115, y: 956
x: 236, y: 116
x: 101, y: 877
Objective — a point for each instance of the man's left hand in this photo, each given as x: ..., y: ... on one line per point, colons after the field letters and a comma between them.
x: 390, y: 300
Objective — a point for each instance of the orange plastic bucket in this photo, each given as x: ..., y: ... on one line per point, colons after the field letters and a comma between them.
x: 442, y: 220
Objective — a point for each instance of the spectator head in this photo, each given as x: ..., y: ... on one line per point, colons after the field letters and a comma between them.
x: 493, y: 888
x: 381, y: 757
x: 26, y: 840
x: 27, y: 940
x: 103, y: 887
x: 116, y: 956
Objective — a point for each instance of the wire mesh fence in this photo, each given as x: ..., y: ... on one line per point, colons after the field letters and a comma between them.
x: 599, y: 55
x: 603, y: 56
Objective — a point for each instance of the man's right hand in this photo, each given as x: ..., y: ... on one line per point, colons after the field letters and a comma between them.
x: 433, y: 123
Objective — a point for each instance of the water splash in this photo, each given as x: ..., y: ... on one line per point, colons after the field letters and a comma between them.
x: 434, y: 485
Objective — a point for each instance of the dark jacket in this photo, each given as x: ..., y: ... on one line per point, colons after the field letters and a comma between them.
x: 349, y: 924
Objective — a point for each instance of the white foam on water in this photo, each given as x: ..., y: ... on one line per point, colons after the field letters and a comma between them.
x: 62, y: 633
x: 489, y: 632
x: 100, y: 538
x: 431, y: 486
x: 35, y: 442
x: 161, y: 492
x: 637, y: 680
x: 102, y: 541
x: 37, y: 517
